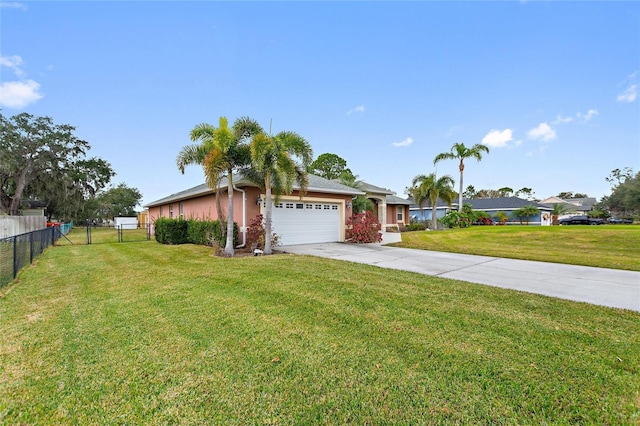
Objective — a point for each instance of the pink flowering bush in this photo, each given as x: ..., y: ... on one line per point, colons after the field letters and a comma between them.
x: 363, y: 228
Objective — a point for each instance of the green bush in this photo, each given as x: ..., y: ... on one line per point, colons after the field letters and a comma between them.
x: 416, y: 226
x: 179, y: 231
x: 171, y: 231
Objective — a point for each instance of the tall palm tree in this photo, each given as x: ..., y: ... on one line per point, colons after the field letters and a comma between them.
x: 460, y: 152
x: 278, y: 162
x: 220, y: 151
x: 429, y: 188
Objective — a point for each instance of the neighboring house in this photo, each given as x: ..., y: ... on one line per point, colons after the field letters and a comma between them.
x: 575, y: 206
x: 391, y: 211
x: 489, y: 205
x: 423, y: 213
x: 511, y: 204
x: 319, y: 216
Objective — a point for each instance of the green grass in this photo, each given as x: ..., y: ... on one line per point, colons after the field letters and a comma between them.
x: 605, y: 246
x: 141, y: 333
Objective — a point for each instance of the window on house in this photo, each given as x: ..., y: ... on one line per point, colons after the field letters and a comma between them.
x: 161, y: 211
x: 170, y: 211
x: 400, y: 211
x: 181, y: 209
x: 299, y: 206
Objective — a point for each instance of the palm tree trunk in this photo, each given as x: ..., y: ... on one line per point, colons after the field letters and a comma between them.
x: 434, y: 216
x: 460, y: 193
x: 228, y: 248
x: 267, y: 218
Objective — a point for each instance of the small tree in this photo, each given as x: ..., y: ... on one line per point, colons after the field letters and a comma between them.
x: 501, y: 217
x: 525, y: 212
x: 558, y: 209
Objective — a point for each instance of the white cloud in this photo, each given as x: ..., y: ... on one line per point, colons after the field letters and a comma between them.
x: 629, y: 95
x: 359, y: 109
x: 497, y: 138
x: 12, y: 5
x: 589, y: 115
x: 406, y: 142
x: 543, y: 132
x: 17, y: 94
x: 562, y: 120
x: 12, y: 62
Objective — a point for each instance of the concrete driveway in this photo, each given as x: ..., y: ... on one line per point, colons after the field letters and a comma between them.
x: 599, y: 286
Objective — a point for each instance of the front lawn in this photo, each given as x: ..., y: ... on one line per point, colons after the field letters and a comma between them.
x: 604, y: 246
x: 141, y: 333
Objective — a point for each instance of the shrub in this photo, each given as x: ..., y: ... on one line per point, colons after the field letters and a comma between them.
x: 453, y: 219
x: 256, y: 233
x: 171, y: 231
x: 482, y: 218
x: 179, y: 231
x: 364, y: 228
x: 501, y: 217
x: 416, y: 226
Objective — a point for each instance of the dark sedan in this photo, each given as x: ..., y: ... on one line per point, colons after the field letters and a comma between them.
x: 581, y: 220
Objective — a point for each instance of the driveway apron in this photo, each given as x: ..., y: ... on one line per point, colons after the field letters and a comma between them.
x: 599, y: 286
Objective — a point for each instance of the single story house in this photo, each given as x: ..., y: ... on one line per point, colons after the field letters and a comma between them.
x: 574, y: 206
x: 489, y: 205
x: 319, y: 216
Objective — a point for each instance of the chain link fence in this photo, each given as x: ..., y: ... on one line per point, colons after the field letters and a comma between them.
x: 19, y: 251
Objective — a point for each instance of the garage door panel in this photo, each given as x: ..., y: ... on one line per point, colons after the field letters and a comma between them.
x: 313, y: 223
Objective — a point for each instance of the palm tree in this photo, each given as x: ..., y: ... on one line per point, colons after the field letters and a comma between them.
x: 459, y: 152
x: 429, y: 188
x: 278, y: 162
x: 525, y: 212
x: 558, y: 209
x: 220, y: 151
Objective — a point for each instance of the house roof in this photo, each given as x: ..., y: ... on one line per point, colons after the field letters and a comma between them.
x: 504, y: 203
x: 394, y: 199
x: 576, y: 204
x: 316, y: 184
x: 372, y: 189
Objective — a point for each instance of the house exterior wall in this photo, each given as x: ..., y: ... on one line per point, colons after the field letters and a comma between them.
x: 392, y: 214
x: 204, y: 207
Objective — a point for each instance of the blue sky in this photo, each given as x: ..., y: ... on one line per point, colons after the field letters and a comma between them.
x: 550, y: 87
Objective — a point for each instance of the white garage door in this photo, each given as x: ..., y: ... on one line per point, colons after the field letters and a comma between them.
x: 306, y: 223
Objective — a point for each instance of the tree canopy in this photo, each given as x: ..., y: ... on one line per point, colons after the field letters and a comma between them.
x: 331, y: 166
x: 118, y: 201
x: 43, y: 161
x: 461, y: 152
x: 624, y: 200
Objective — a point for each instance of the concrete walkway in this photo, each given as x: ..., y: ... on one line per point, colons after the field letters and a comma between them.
x: 599, y: 286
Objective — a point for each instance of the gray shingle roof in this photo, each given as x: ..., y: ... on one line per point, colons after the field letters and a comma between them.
x: 316, y: 184
x: 503, y: 203
x: 394, y: 199
x: 372, y: 189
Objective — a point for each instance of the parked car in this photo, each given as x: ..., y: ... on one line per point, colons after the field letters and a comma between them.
x: 614, y: 220
x: 581, y: 220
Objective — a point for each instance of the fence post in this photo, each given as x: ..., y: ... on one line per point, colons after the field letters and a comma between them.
x: 15, y: 256
x: 31, y: 247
